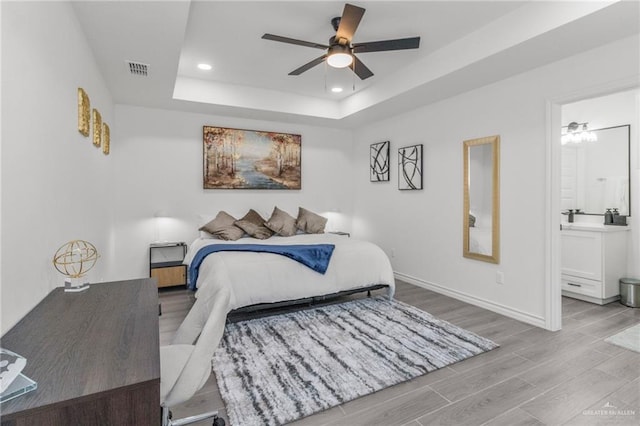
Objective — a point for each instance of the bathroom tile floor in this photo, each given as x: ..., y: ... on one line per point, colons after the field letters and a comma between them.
x: 536, y: 377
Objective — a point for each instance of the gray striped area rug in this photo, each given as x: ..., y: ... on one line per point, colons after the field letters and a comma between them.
x: 277, y: 369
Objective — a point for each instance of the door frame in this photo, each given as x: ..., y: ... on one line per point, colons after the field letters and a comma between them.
x: 553, y: 289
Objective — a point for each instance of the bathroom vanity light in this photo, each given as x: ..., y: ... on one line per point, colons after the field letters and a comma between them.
x: 577, y: 133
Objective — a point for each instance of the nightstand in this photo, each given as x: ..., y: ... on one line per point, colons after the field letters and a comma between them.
x: 165, y: 263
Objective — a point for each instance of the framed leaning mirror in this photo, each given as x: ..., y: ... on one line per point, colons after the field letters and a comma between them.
x: 481, y: 214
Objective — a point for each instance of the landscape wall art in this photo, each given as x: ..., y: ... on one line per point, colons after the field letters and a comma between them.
x: 250, y: 159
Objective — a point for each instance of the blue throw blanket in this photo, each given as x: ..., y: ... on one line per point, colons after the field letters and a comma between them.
x: 315, y: 256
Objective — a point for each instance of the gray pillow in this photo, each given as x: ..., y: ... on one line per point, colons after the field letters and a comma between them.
x: 282, y: 223
x: 310, y: 222
x: 253, y: 224
x: 222, y: 227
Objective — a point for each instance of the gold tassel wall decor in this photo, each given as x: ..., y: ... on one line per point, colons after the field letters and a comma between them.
x: 97, y: 128
x: 83, y: 112
x: 106, y: 138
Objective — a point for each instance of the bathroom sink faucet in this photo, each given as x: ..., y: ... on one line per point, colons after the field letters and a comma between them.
x: 570, y: 213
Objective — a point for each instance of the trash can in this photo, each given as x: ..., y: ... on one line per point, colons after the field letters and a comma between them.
x: 630, y: 292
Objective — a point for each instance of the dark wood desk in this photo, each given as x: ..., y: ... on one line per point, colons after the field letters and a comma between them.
x: 95, y: 356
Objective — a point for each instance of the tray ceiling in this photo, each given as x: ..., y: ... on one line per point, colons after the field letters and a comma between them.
x: 464, y: 44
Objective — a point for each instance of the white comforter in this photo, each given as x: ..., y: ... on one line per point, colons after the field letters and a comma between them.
x: 265, y: 277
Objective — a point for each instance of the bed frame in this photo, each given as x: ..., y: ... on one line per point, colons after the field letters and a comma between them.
x: 267, y: 309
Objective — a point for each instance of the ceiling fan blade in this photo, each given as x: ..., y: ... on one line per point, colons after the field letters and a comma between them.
x: 294, y: 41
x: 351, y: 16
x: 308, y: 65
x: 379, y: 46
x: 360, y: 69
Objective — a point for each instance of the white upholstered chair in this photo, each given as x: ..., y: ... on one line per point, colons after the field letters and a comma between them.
x: 185, y: 365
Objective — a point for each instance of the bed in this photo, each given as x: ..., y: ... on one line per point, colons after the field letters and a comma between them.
x: 256, y: 279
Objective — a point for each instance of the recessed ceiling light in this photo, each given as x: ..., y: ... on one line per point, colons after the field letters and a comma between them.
x: 204, y: 67
x: 336, y: 89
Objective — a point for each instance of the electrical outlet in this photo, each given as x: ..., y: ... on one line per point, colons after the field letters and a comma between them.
x: 500, y: 277
x: 393, y: 252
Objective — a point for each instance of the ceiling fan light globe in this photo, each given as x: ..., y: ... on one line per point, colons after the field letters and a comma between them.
x: 339, y: 60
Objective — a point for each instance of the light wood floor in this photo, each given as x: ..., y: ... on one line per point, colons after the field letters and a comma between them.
x: 536, y: 377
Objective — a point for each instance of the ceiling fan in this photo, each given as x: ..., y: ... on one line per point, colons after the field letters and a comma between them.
x: 340, y: 52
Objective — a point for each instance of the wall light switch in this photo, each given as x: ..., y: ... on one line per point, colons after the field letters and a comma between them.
x: 500, y: 277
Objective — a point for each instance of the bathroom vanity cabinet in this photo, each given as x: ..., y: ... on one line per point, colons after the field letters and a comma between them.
x: 593, y: 261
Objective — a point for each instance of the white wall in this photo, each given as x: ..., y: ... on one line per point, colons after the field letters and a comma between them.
x: 159, y: 168
x: 55, y: 183
x: 425, y: 227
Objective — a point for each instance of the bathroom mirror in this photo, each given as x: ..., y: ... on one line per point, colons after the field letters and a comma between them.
x: 481, y: 214
x: 595, y: 174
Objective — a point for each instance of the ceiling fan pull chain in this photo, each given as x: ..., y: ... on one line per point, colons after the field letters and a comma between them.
x: 325, y: 76
x: 353, y: 77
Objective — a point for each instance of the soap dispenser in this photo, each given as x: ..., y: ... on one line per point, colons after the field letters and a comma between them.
x: 608, y: 217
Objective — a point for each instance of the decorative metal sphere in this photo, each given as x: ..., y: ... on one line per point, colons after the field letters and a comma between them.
x: 75, y: 258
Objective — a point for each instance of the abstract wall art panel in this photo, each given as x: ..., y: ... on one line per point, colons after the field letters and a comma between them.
x: 410, y: 167
x: 379, y: 162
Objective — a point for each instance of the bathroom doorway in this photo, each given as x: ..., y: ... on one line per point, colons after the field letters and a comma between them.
x: 610, y: 107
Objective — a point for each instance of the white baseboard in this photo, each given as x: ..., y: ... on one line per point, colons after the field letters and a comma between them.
x: 486, y: 304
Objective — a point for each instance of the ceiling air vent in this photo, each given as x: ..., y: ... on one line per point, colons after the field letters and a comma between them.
x: 138, y: 68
